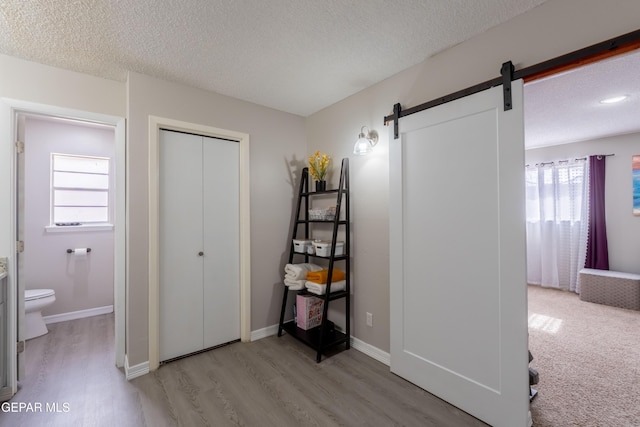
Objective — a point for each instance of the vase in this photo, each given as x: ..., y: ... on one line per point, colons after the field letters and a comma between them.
x: 321, y: 185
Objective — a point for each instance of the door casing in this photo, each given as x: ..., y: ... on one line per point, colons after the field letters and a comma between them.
x: 155, y: 124
x: 11, y: 109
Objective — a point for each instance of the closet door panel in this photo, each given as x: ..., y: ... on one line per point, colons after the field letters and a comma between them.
x: 181, y: 266
x: 221, y: 239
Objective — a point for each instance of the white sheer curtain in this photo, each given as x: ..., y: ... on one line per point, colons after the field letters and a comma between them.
x: 557, y: 221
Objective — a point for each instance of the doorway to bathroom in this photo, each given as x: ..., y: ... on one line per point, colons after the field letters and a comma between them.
x: 65, y: 216
x: 69, y: 220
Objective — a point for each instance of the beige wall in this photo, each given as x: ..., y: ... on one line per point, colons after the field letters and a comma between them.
x: 277, y: 147
x: 624, y: 250
x: 552, y: 29
x: 32, y: 82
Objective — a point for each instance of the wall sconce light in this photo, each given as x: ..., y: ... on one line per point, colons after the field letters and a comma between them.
x: 366, y: 142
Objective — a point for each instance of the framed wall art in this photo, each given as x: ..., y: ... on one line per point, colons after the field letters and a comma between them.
x: 635, y: 166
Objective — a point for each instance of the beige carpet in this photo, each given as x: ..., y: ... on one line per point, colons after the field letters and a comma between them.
x: 588, y: 358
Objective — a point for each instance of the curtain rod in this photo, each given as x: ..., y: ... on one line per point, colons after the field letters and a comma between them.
x: 599, y: 156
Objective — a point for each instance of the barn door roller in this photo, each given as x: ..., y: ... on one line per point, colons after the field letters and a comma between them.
x: 507, y: 76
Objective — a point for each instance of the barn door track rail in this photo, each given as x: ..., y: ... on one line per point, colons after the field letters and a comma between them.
x: 596, y: 52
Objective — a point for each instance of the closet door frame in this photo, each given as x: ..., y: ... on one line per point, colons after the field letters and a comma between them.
x: 155, y: 124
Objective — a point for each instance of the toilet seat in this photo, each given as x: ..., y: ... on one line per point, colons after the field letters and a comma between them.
x: 34, y: 294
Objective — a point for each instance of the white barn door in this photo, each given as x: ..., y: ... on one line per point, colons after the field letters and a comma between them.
x: 457, y: 236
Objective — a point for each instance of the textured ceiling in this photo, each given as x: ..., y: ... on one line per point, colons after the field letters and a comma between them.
x: 566, y: 107
x: 297, y: 56
x: 300, y: 56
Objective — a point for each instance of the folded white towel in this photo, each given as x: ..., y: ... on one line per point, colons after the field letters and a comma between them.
x: 294, y: 285
x: 299, y: 271
x: 318, y: 289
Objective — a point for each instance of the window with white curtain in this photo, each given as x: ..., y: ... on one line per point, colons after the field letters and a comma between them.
x: 557, y: 218
x: 554, y: 192
x: 79, y: 189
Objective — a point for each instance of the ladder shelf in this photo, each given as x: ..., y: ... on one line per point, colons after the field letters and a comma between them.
x: 324, y: 336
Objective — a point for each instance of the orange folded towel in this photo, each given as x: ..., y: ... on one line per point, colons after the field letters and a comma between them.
x: 322, y: 276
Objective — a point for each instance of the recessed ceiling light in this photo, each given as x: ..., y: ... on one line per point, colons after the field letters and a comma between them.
x: 614, y: 99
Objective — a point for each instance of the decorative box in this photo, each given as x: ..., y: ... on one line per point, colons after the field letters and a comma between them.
x: 308, y: 311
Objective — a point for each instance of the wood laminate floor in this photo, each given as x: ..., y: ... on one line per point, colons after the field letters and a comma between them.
x: 270, y: 382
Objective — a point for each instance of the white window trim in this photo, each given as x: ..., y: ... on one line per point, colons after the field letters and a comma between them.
x: 89, y: 226
x: 78, y: 228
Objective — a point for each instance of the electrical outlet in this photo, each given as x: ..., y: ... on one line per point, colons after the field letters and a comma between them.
x: 369, y: 319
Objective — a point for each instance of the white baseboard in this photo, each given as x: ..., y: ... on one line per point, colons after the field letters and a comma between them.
x: 264, y: 332
x: 371, y: 351
x: 6, y: 394
x: 63, y: 317
x: 136, y: 371
x: 140, y: 369
x: 361, y: 346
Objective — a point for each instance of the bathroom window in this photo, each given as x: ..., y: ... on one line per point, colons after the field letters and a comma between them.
x: 79, y: 190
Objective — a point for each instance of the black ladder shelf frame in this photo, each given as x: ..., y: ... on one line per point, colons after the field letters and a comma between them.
x: 318, y: 337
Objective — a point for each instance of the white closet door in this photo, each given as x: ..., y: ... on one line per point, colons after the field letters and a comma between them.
x: 199, y: 243
x: 458, y: 279
x: 181, y: 240
x: 221, y: 241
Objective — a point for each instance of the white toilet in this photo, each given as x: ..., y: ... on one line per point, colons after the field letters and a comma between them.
x: 34, y: 301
